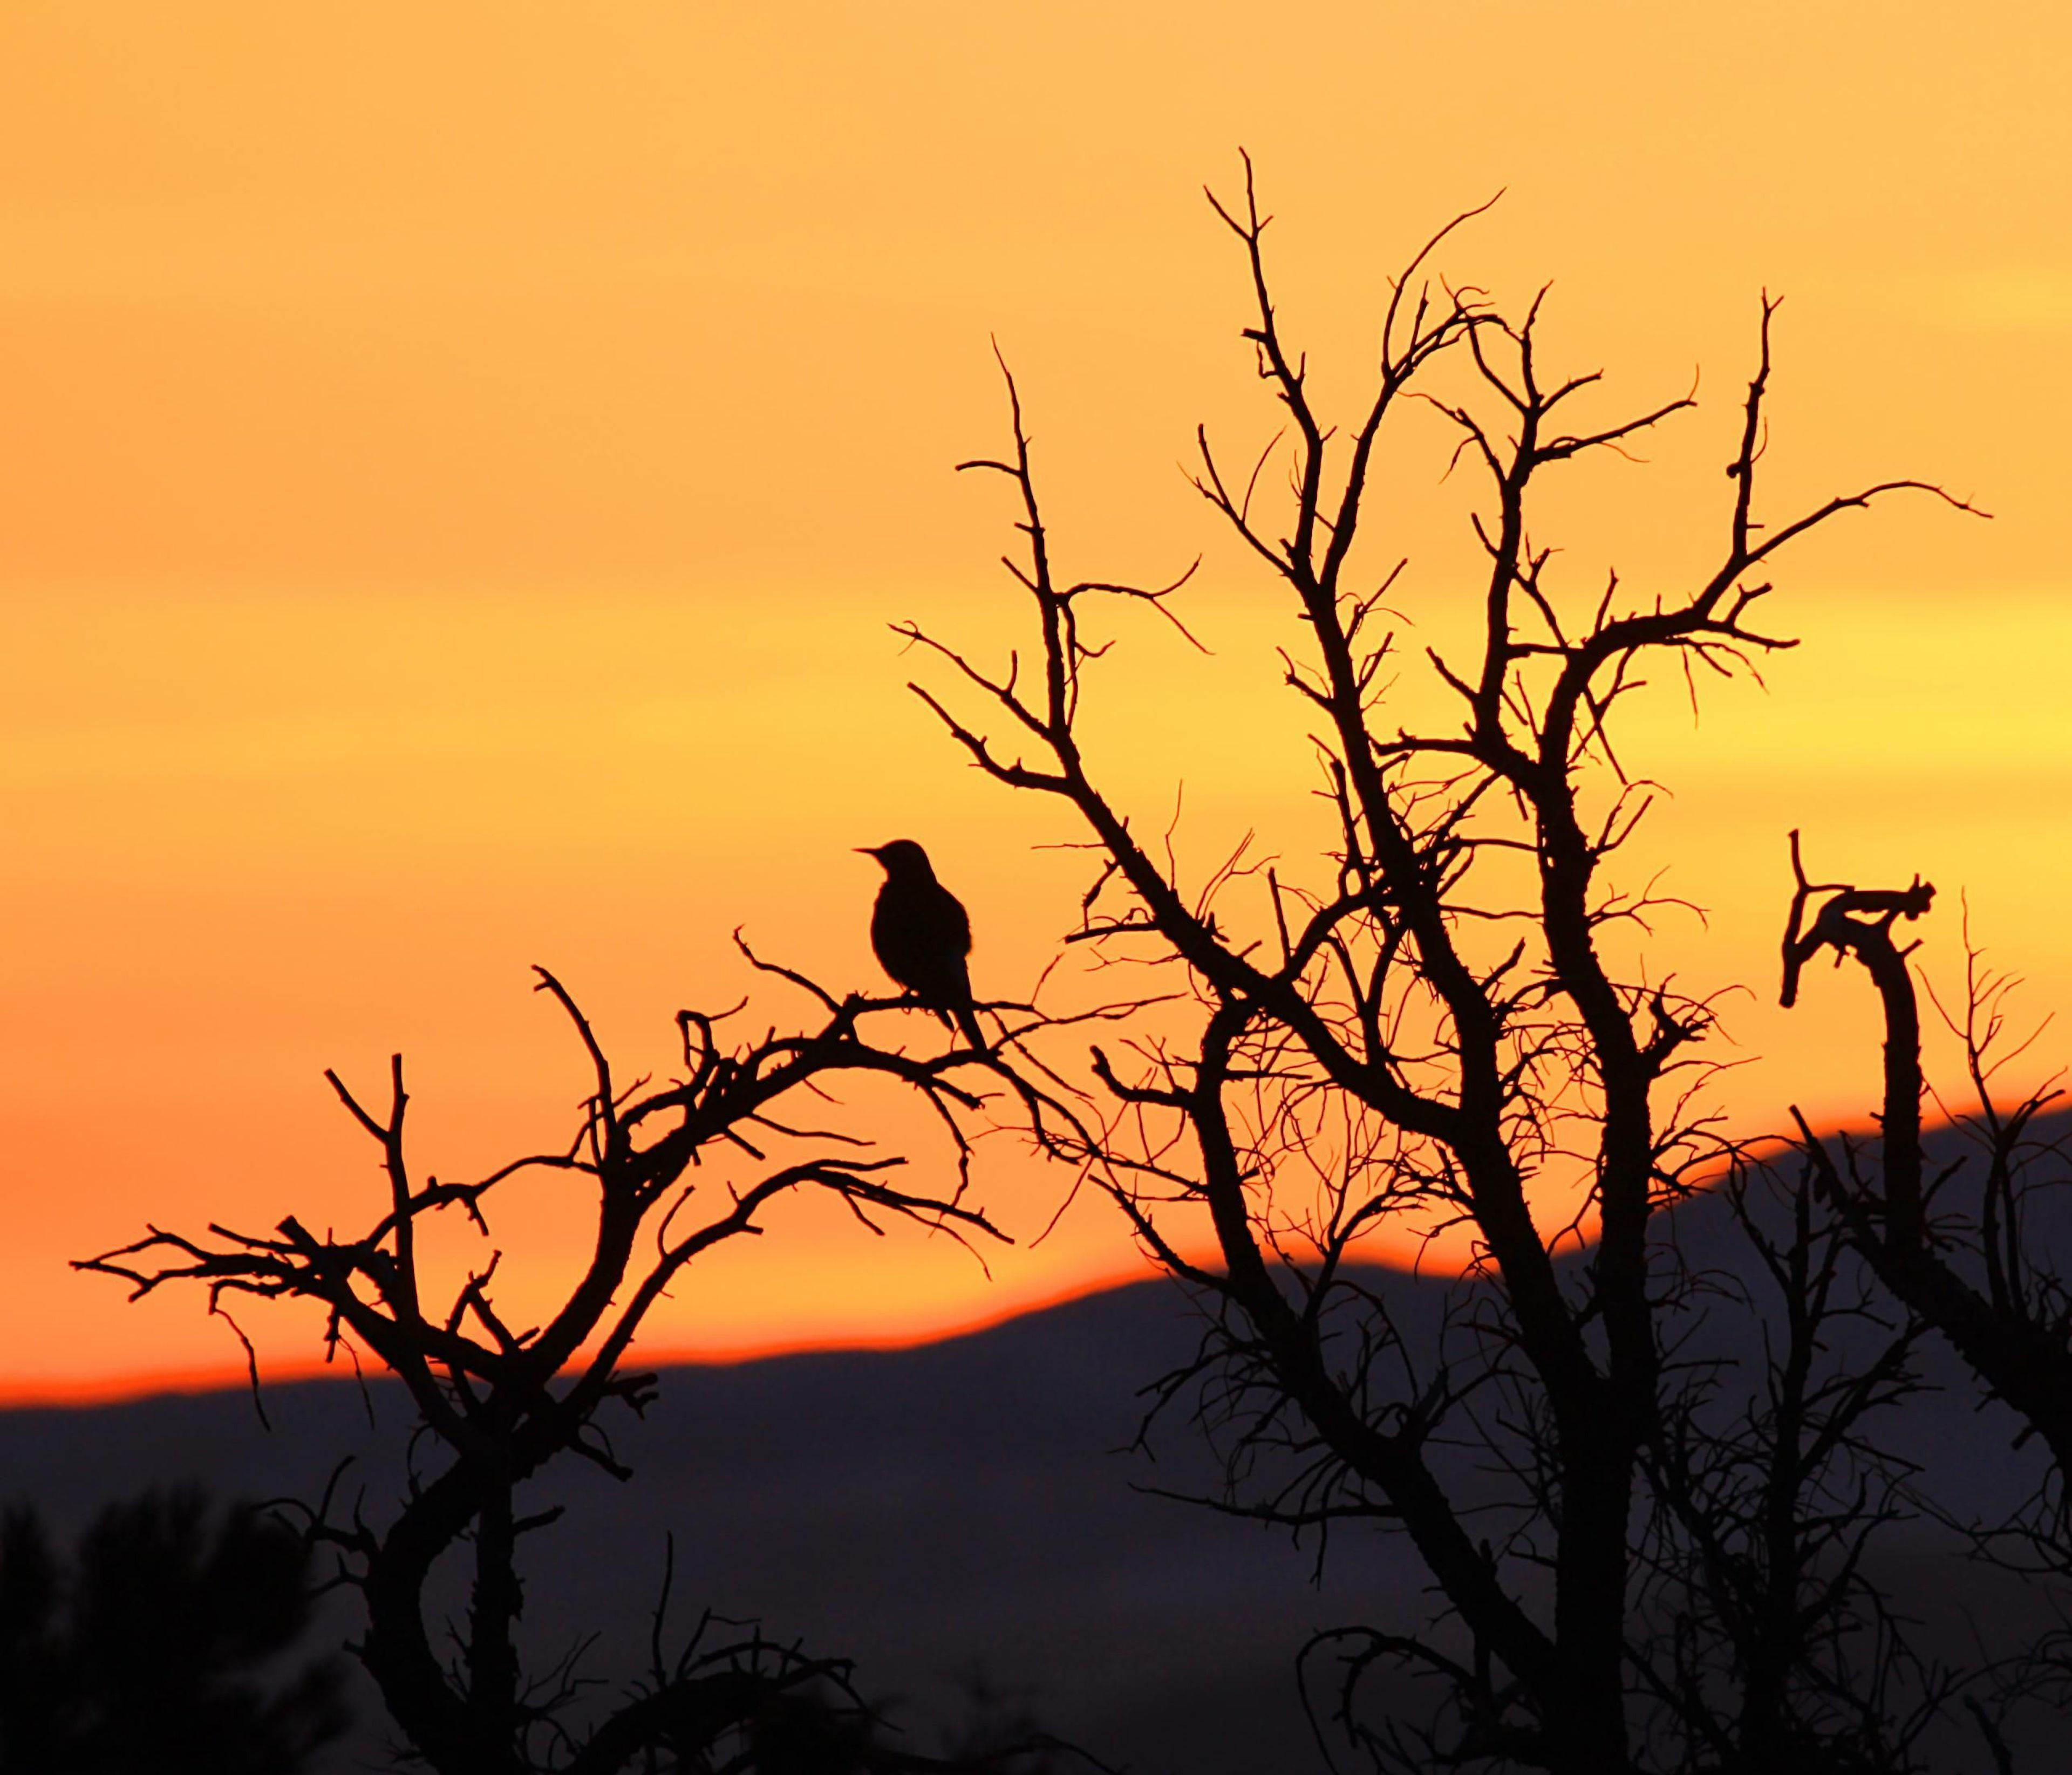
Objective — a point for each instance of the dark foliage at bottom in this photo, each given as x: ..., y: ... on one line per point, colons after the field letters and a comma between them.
x: 158, y: 1646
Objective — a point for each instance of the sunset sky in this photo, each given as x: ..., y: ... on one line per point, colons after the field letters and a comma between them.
x: 458, y: 465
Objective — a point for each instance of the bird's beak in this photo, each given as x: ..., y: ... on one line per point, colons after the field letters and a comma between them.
x: 866, y: 850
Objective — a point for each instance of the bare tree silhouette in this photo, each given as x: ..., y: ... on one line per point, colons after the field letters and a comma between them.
x: 674, y: 1171
x: 1436, y: 1020
x: 1762, y: 1640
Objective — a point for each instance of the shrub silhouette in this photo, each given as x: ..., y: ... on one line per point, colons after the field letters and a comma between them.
x: 159, y: 1646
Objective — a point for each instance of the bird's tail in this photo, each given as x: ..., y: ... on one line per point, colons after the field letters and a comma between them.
x: 967, y: 1018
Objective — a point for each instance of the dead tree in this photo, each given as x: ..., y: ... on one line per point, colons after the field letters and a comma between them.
x: 1428, y: 1021
x: 2012, y: 1320
x: 1961, y: 1248
x: 674, y: 1171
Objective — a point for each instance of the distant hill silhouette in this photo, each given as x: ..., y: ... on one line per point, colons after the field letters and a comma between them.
x: 955, y: 1510
x: 962, y: 1508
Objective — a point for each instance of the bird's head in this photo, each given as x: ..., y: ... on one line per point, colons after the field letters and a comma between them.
x: 901, y: 858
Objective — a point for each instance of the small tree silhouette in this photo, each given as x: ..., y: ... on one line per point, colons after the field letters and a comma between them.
x: 683, y: 1167
x: 160, y: 1645
x: 1432, y: 1022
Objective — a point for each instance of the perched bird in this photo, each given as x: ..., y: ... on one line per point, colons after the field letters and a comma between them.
x: 920, y: 934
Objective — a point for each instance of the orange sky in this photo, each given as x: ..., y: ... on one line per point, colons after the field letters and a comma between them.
x: 456, y: 465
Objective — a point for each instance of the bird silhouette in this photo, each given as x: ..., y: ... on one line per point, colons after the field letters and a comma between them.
x: 921, y: 935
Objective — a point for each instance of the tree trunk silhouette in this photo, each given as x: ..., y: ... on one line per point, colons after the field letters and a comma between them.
x: 1959, y: 1250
